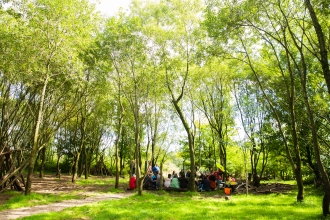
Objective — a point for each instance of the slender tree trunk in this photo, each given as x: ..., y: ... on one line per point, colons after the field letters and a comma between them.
x: 86, y: 161
x: 117, y: 165
x: 58, y: 172
x: 298, y: 173
x: 78, y: 153
x: 325, y: 178
x: 35, y: 149
x: 119, y: 132
x: 137, y: 155
x: 75, y: 167
x: 191, y: 144
x: 121, y: 112
x: 290, y: 92
x: 292, y: 96
x: 42, y: 165
x: 322, y: 44
x: 161, y: 176
x: 326, y: 73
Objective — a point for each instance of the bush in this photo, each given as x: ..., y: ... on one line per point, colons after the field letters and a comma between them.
x: 308, y: 180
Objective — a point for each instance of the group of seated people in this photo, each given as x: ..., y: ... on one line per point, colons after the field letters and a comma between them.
x: 152, y: 181
x: 210, y: 181
x: 204, y: 182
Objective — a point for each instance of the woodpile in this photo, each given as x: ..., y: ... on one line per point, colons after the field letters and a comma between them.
x: 100, y: 169
x: 10, y: 175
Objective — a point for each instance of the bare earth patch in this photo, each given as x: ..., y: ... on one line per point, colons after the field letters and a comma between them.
x: 52, y: 185
x: 94, y: 193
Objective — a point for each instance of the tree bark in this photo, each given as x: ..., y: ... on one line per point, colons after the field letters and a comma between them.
x: 191, y: 144
x: 322, y: 45
x: 326, y: 74
x: 35, y: 149
x: 42, y: 164
x: 119, y: 133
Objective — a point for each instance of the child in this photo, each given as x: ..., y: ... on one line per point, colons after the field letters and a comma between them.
x: 168, y: 181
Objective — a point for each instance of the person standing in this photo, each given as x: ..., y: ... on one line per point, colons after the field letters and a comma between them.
x: 132, y: 182
x: 132, y: 167
x: 155, y: 168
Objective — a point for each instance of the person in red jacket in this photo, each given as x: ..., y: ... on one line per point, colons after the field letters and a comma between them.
x: 132, y: 182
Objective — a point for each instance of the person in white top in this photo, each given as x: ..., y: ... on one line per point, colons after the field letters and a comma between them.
x: 168, y: 181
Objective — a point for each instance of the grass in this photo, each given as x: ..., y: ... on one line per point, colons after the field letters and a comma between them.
x: 171, y: 205
x: 103, y: 182
x: 98, y: 181
x: 19, y: 200
x: 193, y: 205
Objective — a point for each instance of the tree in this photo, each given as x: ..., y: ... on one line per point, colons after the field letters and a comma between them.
x: 48, y: 56
x: 177, y: 47
x: 215, y: 104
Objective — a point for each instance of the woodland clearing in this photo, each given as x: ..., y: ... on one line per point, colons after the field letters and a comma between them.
x: 95, y: 192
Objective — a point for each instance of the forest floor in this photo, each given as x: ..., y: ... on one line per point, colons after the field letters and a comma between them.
x: 94, y: 193
x: 51, y: 185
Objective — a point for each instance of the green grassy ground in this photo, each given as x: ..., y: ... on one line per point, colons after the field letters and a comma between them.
x: 177, y: 205
x: 207, y: 205
x: 19, y: 200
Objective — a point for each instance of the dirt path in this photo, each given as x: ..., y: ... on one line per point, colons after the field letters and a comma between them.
x: 56, y: 207
x: 52, y: 185
x: 92, y: 193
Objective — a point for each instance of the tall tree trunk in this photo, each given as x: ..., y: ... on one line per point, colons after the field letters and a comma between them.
x: 78, y: 153
x: 119, y: 133
x: 191, y: 144
x: 35, y: 148
x: 75, y: 167
x: 117, y: 163
x: 326, y: 73
x: 85, y: 161
x: 290, y: 92
x: 322, y: 45
x: 42, y: 164
x: 58, y: 172
x: 139, y: 179
x: 121, y: 113
x: 161, y: 176
x: 325, y: 178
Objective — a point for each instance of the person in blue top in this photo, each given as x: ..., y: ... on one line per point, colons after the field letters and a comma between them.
x: 154, y: 180
x: 155, y: 169
x: 204, y: 184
